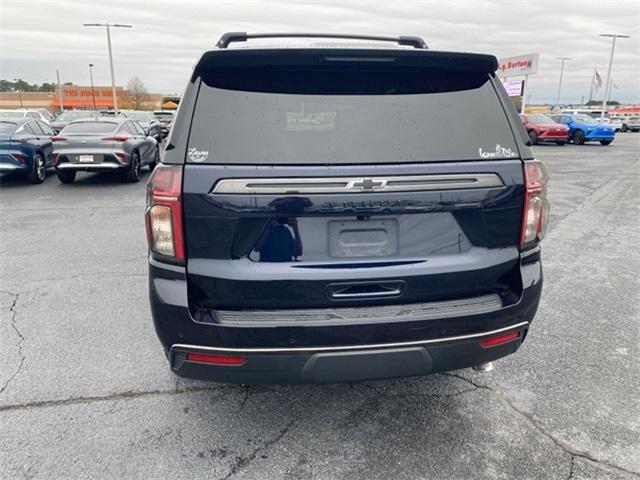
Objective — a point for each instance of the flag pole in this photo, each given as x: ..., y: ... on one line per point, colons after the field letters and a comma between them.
x: 593, y: 79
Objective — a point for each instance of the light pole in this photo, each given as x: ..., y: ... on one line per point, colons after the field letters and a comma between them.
x: 93, y: 94
x: 607, y: 88
x: 562, y: 59
x: 19, y: 93
x: 113, y: 76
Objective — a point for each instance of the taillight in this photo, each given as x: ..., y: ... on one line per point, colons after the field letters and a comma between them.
x: 21, y: 158
x: 164, y: 212
x: 117, y: 138
x: 535, y: 213
x: 58, y: 138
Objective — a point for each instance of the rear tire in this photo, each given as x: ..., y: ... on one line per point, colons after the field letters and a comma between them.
x: 66, y: 176
x: 38, y: 171
x: 533, y: 138
x: 578, y: 137
x: 133, y: 173
x: 561, y: 142
x: 624, y: 128
x: 606, y: 142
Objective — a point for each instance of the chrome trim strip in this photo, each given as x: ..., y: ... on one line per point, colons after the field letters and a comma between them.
x: 185, y: 346
x: 88, y: 166
x: 7, y: 167
x: 400, y: 183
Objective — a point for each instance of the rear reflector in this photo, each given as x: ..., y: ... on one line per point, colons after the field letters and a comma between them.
x: 495, y: 341
x: 215, y: 359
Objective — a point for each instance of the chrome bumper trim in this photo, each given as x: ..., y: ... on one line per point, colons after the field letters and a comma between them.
x: 392, y: 183
x: 184, y: 346
x: 88, y: 166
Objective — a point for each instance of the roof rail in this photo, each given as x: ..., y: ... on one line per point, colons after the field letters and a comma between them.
x: 230, y: 37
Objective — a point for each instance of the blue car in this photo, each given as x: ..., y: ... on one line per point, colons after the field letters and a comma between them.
x: 584, y: 128
x: 26, y: 147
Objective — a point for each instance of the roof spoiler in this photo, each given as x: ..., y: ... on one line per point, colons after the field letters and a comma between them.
x: 229, y: 37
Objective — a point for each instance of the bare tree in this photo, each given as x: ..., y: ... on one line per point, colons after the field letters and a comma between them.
x: 136, y: 94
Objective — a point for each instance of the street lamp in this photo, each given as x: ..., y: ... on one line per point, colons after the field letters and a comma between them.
x: 562, y: 59
x: 113, y: 77
x: 607, y: 89
x: 19, y: 92
x: 93, y: 94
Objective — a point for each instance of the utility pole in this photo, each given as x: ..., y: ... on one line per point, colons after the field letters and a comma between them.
x: 93, y: 93
x: 607, y: 89
x: 113, y: 75
x: 19, y: 92
x: 59, y: 91
x: 562, y: 59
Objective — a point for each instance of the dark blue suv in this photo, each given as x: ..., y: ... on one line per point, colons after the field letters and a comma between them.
x: 332, y: 214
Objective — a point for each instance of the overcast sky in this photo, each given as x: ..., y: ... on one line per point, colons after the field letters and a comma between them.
x: 38, y: 37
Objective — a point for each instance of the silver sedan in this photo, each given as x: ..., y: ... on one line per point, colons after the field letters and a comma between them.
x: 104, y: 144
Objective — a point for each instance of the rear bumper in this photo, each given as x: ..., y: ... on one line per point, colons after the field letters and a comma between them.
x: 553, y: 136
x: 344, y: 364
x: 301, y: 354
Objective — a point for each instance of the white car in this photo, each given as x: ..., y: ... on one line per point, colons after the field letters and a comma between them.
x: 616, y: 122
x: 24, y: 112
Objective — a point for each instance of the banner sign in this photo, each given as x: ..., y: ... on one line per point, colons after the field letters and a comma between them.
x: 514, y: 87
x: 520, y: 65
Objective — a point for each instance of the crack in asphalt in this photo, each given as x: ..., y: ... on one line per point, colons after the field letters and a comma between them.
x: 117, y: 396
x: 412, y: 394
x: 242, y: 461
x: 12, y: 324
x: 559, y: 443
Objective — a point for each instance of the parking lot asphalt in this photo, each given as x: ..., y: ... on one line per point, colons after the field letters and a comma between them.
x: 85, y: 390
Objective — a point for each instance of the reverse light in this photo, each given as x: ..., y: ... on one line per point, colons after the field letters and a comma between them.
x: 499, y: 340
x: 535, y: 210
x: 164, y: 212
x: 215, y: 359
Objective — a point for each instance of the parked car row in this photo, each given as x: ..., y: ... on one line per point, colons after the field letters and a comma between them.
x: 563, y: 128
x: 100, y: 144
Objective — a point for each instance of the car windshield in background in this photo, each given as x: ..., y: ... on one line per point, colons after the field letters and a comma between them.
x: 7, y: 127
x: 164, y: 116
x: 11, y: 114
x: 89, y: 127
x: 540, y: 119
x: 584, y: 118
x: 329, y: 116
x: 74, y: 115
x: 140, y: 116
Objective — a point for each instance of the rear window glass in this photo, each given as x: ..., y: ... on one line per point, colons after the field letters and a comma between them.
x: 90, y: 127
x: 278, y: 115
x: 6, y: 127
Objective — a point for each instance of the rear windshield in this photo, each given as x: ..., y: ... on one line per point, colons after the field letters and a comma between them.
x: 276, y: 115
x: 7, y: 127
x: 540, y: 119
x: 90, y: 127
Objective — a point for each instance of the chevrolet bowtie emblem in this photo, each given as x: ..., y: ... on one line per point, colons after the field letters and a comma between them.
x: 367, y: 184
